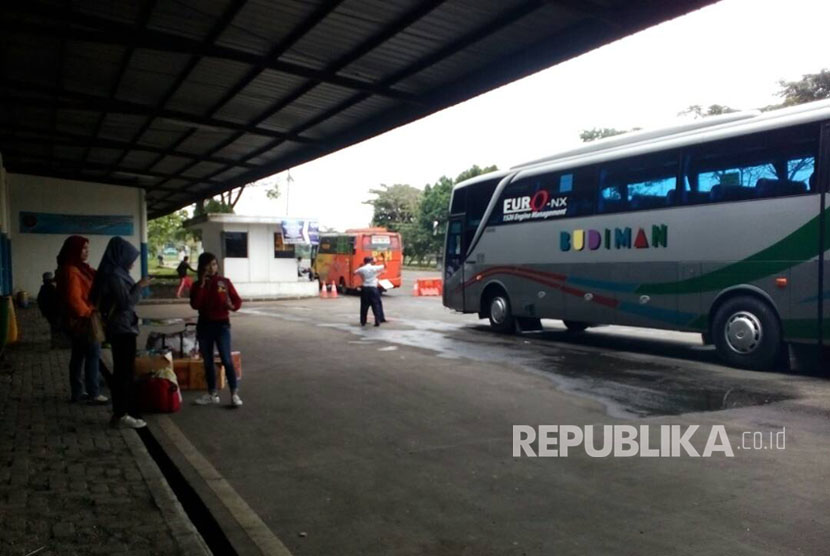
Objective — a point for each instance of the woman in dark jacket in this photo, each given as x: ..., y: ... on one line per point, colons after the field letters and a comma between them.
x: 117, y: 295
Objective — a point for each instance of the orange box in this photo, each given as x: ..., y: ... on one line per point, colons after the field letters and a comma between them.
x: 191, y: 372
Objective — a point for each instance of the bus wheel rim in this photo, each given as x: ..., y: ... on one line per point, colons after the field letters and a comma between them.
x: 498, y: 310
x: 743, y: 332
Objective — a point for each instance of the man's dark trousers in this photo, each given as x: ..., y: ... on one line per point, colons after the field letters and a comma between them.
x: 370, y: 296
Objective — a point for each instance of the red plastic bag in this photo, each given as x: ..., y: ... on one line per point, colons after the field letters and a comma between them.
x: 158, y: 395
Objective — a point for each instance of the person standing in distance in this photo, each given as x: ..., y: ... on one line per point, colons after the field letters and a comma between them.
x: 214, y: 297
x: 369, y: 293
x: 184, y: 280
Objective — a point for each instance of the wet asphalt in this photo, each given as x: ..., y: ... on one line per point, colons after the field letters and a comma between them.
x: 398, y: 439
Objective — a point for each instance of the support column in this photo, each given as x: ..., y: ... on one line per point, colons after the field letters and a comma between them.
x: 142, y: 230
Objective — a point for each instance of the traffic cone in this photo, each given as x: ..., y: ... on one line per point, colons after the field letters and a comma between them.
x: 324, y: 293
x: 333, y: 290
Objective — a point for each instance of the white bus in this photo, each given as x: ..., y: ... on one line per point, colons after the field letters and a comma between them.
x: 718, y: 227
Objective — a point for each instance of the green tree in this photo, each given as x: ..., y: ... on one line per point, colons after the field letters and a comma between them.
x: 395, y: 205
x: 697, y: 110
x: 396, y: 209
x: 212, y: 206
x: 419, y: 216
x: 166, y: 230
x: 434, y: 210
x: 812, y: 86
x: 588, y: 135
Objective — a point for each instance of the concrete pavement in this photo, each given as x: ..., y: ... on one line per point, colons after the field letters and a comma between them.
x: 69, y: 483
x: 397, y: 440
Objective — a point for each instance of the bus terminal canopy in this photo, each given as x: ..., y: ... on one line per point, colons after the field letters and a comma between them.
x: 187, y: 99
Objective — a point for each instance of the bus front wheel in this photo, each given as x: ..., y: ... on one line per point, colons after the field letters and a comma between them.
x: 501, y: 316
x: 747, y: 334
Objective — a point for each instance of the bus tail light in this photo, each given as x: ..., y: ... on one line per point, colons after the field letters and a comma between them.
x: 781, y: 282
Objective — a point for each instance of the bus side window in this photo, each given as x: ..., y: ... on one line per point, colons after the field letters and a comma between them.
x: 640, y: 183
x: 459, y: 201
x: 760, y: 166
x: 580, y: 187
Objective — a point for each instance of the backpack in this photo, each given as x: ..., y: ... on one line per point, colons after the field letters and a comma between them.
x: 48, y: 303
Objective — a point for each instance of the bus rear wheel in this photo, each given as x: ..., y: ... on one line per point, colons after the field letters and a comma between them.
x: 575, y: 326
x: 501, y: 316
x: 747, y: 334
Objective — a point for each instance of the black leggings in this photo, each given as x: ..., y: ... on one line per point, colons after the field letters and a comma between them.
x: 123, y: 362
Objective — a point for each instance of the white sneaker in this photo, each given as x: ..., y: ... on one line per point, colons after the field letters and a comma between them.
x: 131, y: 422
x: 207, y: 399
x: 236, y: 400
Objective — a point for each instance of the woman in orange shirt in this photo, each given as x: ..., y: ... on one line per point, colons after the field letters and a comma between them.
x: 74, y: 279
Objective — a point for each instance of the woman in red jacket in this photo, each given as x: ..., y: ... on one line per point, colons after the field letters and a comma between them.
x: 74, y: 280
x: 214, y: 297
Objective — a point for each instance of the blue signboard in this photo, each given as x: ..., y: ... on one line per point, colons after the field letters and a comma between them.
x: 81, y: 224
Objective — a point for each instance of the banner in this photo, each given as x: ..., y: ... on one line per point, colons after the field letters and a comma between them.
x: 301, y: 231
x: 81, y: 224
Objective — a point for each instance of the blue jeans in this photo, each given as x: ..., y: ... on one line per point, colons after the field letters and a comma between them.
x: 217, y: 334
x: 84, y: 360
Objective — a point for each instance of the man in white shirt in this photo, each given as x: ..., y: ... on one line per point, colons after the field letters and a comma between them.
x: 369, y: 293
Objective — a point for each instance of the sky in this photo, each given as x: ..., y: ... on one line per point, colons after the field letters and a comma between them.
x: 732, y: 53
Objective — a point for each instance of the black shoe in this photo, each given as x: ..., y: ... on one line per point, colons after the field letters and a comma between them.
x: 377, y: 324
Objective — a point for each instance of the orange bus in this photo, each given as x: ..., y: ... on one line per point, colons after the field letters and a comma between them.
x: 339, y: 255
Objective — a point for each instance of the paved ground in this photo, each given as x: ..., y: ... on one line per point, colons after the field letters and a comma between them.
x: 398, y: 440
x: 69, y: 484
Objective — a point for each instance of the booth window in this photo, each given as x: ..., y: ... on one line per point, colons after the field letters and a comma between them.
x: 282, y: 250
x: 236, y: 244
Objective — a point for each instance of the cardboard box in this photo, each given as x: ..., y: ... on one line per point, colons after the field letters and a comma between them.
x: 149, y: 364
x: 191, y: 372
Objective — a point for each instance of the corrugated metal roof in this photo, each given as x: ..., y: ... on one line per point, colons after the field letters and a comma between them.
x: 188, y: 98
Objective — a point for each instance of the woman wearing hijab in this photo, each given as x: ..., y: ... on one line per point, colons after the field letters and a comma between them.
x: 74, y: 280
x: 117, y: 295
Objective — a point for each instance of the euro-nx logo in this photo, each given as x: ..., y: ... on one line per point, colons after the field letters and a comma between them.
x: 539, y: 205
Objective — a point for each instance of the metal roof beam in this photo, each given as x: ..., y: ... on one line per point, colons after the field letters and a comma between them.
x: 95, y: 103
x: 166, y: 42
x: 75, y: 163
x: 367, y: 46
x: 452, y: 48
x: 126, y: 58
x: 277, y: 50
x: 63, y: 138
x: 218, y: 28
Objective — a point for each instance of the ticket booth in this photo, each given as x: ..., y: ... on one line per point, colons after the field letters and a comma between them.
x: 259, y: 253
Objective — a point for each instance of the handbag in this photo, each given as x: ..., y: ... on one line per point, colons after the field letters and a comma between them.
x: 89, y: 328
x: 96, y: 333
